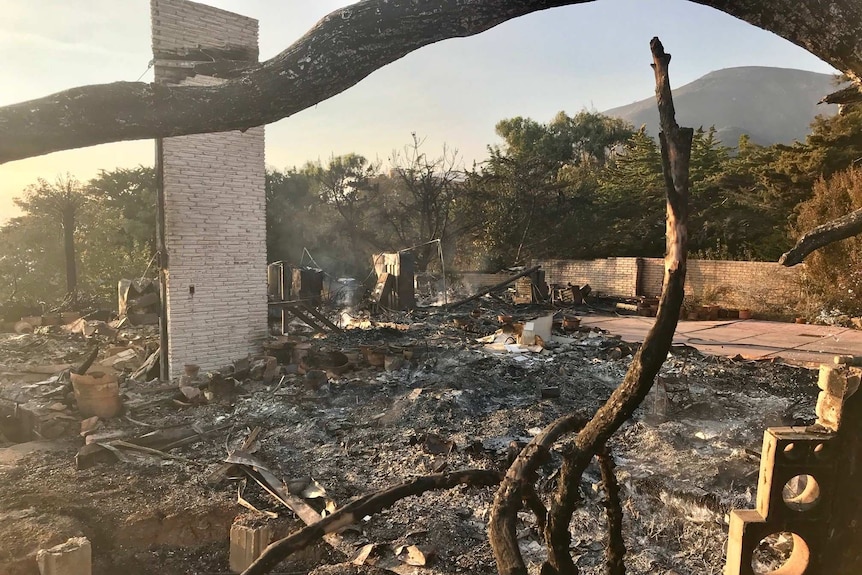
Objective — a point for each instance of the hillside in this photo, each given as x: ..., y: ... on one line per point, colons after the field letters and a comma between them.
x: 772, y: 105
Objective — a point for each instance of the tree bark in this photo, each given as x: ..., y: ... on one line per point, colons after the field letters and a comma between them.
x: 676, y: 152
x: 838, y: 229
x: 616, y: 551
x: 516, y: 487
x: 339, y: 51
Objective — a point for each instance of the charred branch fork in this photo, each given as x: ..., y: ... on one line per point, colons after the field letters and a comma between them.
x: 590, y: 441
x: 342, y: 49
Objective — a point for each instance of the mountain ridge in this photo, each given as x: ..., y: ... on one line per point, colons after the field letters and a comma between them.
x: 771, y: 105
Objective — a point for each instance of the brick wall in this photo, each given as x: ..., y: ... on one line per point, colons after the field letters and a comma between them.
x: 736, y: 284
x: 744, y: 284
x: 611, y: 276
x: 214, y: 207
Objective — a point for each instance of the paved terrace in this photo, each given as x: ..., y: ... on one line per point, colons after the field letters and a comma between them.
x: 751, y: 339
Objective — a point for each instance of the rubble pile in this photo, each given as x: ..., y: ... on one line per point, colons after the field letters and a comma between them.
x: 319, y: 421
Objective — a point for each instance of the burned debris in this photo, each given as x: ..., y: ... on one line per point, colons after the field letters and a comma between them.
x: 321, y: 420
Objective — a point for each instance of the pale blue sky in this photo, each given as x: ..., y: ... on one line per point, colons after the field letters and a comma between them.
x: 592, y: 56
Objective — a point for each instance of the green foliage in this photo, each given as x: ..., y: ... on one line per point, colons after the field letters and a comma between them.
x: 631, y: 199
x: 536, y: 195
x: 348, y: 209
x: 298, y: 217
x: 834, y: 272
x: 582, y: 186
x: 108, y: 223
x: 31, y: 260
x: 130, y: 193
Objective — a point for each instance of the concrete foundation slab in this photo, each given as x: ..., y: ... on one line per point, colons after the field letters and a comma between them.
x: 752, y: 339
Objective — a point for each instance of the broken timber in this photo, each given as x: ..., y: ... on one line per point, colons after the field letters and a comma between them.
x: 307, y: 314
x: 494, y: 287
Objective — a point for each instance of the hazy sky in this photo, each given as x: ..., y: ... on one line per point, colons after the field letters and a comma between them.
x: 593, y: 56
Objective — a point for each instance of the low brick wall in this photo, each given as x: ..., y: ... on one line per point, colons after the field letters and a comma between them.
x: 755, y: 285
x: 611, y: 276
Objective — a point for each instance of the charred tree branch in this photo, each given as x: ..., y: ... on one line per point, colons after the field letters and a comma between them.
x: 343, y: 48
x: 338, y: 52
x: 616, y: 551
x: 518, y: 486
x: 367, y: 505
x: 838, y: 229
x: 676, y: 152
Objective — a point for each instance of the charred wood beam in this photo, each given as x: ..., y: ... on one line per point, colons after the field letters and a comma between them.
x: 517, y: 486
x: 367, y: 505
x: 838, y: 229
x: 616, y: 550
x: 676, y: 152
x: 339, y: 51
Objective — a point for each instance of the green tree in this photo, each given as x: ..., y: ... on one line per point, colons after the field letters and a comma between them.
x: 420, y: 199
x: 61, y: 204
x: 537, y: 192
x: 631, y: 192
x: 347, y: 184
x: 31, y: 260
x: 587, y: 137
x: 131, y: 193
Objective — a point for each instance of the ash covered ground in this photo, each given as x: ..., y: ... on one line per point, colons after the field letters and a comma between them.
x: 688, y: 456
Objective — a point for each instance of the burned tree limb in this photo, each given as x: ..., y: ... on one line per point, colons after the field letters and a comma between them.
x: 676, y: 152
x: 368, y: 505
x: 616, y: 551
x: 338, y: 52
x: 343, y: 48
x: 493, y: 288
x: 838, y: 229
x: 517, y: 486
x: 531, y: 499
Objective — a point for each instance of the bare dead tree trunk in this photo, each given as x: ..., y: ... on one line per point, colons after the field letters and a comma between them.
x: 339, y: 51
x: 838, y: 229
x: 676, y: 152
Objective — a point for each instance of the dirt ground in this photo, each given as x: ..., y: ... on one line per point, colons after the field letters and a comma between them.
x: 688, y: 456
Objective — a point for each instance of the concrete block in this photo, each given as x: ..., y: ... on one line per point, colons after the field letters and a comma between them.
x: 838, y: 380
x: 838, y: 383
x: 74, y: 557
x: 789, y: 452
x: 246, y: 545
